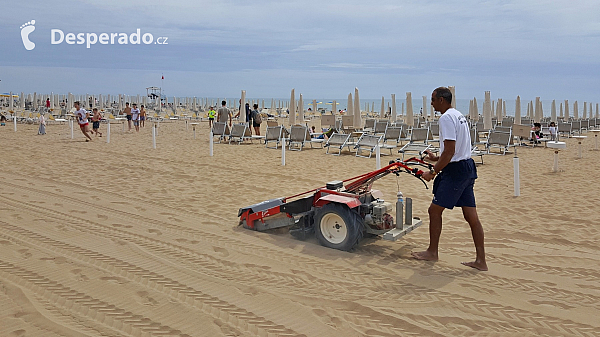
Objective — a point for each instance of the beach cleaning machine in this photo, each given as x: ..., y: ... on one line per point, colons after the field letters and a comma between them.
x: 341, y: 215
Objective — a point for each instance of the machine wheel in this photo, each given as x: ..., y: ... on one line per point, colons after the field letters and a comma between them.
x: 337, y: 226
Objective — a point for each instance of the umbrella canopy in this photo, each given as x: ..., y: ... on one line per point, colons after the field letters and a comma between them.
x: 475, y: 110
x: 272, y: 108
x: 393, y: 107
x: 293, y: 108
x: 499, y: 109
x: 382, y: 111
x: 518, y: 110
x: 585, y: 110
x: 575, y: 110
x: 553, y: 111
x: 567, y: 109
x: 349, y: 107
x: 243, y: 107
x: 409, y: 120
x: 300, y: 110
x: 357, y: 117
x: 536, y: 116
x: 453, y: 91
x: 333, y: 107
x: 487, y: 112
x: 315, y: 107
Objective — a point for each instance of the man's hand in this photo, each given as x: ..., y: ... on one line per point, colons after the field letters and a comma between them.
x: 427, y: 176
x: 430, y: 155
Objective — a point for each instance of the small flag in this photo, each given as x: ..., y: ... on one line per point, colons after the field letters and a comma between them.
x: 163, y: 77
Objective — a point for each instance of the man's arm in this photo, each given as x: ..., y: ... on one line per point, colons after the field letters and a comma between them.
x: 442, y: 160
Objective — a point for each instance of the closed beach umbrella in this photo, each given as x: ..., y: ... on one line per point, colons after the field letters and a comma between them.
x: 499, y: 109
x: 315, y: 107
x: 475, y: 109
x: 349, y: 107
x: 409, y: 120
x: 334, y: 107
x: 453, y: 91
x: 536, y: 116
x: 553, y: 111
x: 382, y: 111
x: 293, y: 109
x: 585, y: 110
x: 518, y: 110
x: 425, y: 106
x: 487, y: 112
x: 357, y: 117
x: 597, y: 111
x: 272, y: 105
x: 575, y: 111
x: 393, y: 107
x: 561, y: 111
x: 243, y: 107
x: 566, y: 109
x: 300, y: 110
x: 10, y: 101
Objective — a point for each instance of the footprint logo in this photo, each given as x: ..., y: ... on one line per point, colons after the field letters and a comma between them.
x: 26, y: 29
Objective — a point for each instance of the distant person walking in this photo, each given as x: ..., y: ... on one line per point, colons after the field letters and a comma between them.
x: 47, y: 103
x: 96, y: 118
x: 82, y: 119
x: 142, y: 116
x: 135, y: 117
x: 256, y: 119
x: 211, y: 116
x: 42, y: 129
x: 453, y: 187
x: 223, y: 113
x: 127, y: 112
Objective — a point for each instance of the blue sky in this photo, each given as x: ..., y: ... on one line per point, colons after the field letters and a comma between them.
x: 323, y: 49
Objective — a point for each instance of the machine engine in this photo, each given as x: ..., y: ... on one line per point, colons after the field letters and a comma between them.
x: 379, y: 216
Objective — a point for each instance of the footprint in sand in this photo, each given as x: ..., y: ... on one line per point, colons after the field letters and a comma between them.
x: 102, y: 217
x: 18, y: 333
x: 113, y: 279
x: 79, y: 276
x: 221, y: 251
x: 57, y: 260
x: 25, y: 254
x: 154, y: 231
x: 146, y: 299
x: 4, y: 242
x: 26, y: 29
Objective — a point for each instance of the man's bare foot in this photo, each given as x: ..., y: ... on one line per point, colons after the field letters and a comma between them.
x: 425, y: 255
x: 476, y: 265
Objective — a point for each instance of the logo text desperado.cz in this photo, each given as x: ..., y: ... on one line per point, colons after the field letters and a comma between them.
x: 57, y: 36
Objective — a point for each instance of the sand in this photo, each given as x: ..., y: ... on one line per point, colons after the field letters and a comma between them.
x: 120, y: 239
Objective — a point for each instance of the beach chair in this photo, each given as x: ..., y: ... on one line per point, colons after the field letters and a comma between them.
x: 369, y: 124
x: 239, y: 133
x: 392, y: 134
x: 380, y: 127
x: 475, y: 151
x: 499, y: 139
x: 367, y: 143
x: 299, y: 135
x: 220, y: 130
x: 271, y: 123
x: 338, y: 141
x: 585, y: 124
x: 576, y: 127
x: 565, y: 128
x: 418, y: 143
x: 507, y: 122
x: 274, y: 134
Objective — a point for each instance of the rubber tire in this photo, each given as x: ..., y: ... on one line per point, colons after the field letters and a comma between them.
x: 352, y: 221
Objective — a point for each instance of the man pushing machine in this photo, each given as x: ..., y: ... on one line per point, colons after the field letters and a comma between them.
x: 454, y: 184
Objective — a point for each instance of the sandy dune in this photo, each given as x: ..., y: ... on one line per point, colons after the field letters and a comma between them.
x: 120, y: 239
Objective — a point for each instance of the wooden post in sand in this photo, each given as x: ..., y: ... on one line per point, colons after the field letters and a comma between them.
x: 377, y: 156
x: 210, y: 142
x: 71, y: 124
x: 283, y: 151
x: 107, y: 131
x: 154, y: 136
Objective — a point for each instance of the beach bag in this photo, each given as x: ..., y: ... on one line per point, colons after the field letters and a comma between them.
x: 257, y: 118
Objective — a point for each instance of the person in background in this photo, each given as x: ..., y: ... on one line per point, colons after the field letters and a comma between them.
x: 127, y: 112
x: 82, y: 120
x: 96, y: 118
x: 42, y: 129
x: 256, y: 119
x: 135, y: 117
x: 553, y: 130
x: 142, y: 116
x: 211, y: 116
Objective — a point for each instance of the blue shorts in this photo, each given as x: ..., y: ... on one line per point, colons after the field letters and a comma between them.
x: 453, y: 187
